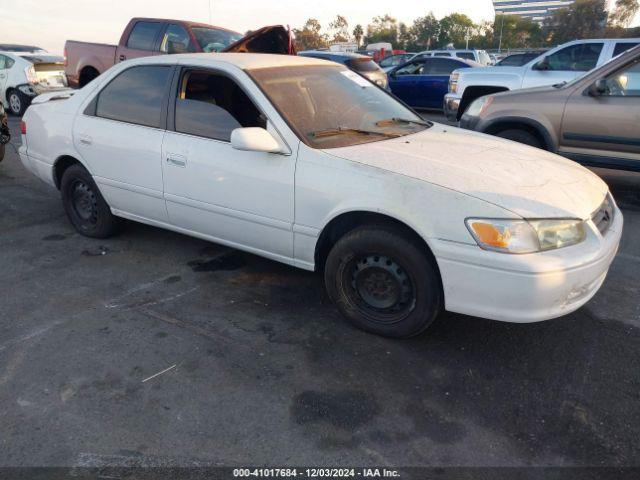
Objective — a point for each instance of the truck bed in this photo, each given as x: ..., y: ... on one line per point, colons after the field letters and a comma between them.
x: 99, y: 56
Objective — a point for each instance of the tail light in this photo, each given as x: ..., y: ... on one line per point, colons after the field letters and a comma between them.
x: 23, y: 127
x: 32, y: 77
x: 66, y: 62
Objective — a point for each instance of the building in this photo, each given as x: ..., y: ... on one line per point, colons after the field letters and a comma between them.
x: 536, y: 10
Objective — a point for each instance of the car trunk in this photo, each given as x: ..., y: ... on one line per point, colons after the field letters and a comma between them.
x: 49, y: 70
x: 272, y: 39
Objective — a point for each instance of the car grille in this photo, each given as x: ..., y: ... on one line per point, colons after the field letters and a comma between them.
x: 603, y: 216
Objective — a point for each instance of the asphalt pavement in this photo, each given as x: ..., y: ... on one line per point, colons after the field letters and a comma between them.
x: 153, y: 348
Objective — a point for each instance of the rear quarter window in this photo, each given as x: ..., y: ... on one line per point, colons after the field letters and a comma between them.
x: 136, y: 96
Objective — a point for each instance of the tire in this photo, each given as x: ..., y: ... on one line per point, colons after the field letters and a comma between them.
x: 383, y: 282
x: 87, y: 75
x: 87, y: 210
x: 1, y: 152
x: 18, y: 102
x: 520, y: 136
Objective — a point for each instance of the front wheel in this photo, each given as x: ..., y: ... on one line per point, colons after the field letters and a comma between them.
x: 383, y: 282
x: 86, y: 208
x: 18, y: 102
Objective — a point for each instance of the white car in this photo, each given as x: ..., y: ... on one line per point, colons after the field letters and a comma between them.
x: 404, y: 217
x: 559, y: 65
x: 478, y: 56
x: 23, y: 75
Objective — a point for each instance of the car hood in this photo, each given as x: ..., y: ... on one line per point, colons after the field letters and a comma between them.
x: 530, y: 182
x: 494, y: 70
x: 271, y: 39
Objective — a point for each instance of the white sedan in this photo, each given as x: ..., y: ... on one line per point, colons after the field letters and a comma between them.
x: 305, y: 162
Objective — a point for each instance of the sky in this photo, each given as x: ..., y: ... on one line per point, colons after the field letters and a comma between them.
x: 48, y: 23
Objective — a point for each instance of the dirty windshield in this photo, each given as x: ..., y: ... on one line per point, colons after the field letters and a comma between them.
x: 214, y: 40
x: 330, y: 106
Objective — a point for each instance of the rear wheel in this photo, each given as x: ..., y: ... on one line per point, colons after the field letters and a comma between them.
x: 18, y: 102
x: 520, y: 136
x: 86, y: 208
x: 383, y: 282
x: 1, y: 152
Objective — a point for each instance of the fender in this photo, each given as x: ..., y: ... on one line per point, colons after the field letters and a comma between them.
x: 550, y: 142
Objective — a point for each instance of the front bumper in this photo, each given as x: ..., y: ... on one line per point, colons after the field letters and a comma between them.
x: 468, y: 122
x: 451, y: 105
x: 526, y: 288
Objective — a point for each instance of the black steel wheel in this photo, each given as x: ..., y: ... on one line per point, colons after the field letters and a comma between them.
x: 384, y: 282
x: 86, y: 208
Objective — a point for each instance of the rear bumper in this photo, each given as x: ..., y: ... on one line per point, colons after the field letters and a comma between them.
x: 526, y: 288
x: 451, y: 105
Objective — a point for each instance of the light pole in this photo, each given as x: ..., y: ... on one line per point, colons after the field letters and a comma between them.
x: 501, y: 29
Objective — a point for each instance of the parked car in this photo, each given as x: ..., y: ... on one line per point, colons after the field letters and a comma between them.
x: 561, y: 64
x: 361, y: 64
x: 478, y: 56
x: 144, y: 37
x: 403, y: 217
x: 518, y: 59
x: 25, y: 75
x: 423, y: 82
x: 5, y: 135
x: 13, y: 48
x: 388, y: 63
x: 592, y: 120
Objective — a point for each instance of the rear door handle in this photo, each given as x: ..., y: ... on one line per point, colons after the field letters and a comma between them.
x: 85, y: 139
x: 177, y: 160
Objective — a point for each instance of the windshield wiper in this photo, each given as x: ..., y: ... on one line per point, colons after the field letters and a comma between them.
x: 394, y: 120
x: 330, y: 132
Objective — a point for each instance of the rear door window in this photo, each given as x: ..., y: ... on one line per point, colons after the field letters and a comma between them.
x: 143, y: 35
x: 442, y: 66
x: 136, y: 96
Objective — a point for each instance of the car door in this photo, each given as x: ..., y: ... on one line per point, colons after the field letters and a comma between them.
x: 403, y: 81
x: 143, y: 41
x: 604, y: 126
x: 119, y: 136
x: 563, y: 65
x: 240, y: 198
x: 433, y: 83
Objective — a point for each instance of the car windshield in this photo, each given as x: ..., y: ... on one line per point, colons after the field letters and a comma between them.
x: 331, y: 106
x: 214, y: 40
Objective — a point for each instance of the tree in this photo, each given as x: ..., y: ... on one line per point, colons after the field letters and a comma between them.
x: 581, y: 19
x: 454, y: 29
x: 624, y: 12
x: 339, y: 29
x: 383, y: 29
x: 424, y: 32
x: 309, y: 37
x: 511, y: 31
x: 358, y: 33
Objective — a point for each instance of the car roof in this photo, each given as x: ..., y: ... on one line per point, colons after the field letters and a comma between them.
x: 244, y: 61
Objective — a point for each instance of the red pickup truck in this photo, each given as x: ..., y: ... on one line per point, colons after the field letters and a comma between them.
x: 154, y: 36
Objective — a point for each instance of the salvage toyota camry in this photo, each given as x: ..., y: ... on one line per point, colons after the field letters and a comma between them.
x: 305, y: 162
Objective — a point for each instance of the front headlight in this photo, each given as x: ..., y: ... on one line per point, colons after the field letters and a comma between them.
x: 525, y: 236
x: 478, y: 106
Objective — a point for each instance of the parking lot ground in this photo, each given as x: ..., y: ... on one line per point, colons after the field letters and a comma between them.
x: 153, y: 348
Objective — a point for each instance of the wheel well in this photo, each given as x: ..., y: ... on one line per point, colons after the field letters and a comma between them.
x: 515, y: 125
x: 473, y: 93
x: 86, y: 75
x: 343, y: 224
x: 61, y: 166
x: 7, y: 93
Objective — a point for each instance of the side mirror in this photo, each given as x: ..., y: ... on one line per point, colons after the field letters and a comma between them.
x: 254, y: 139
x: 598, y: 88
x: 542, y: 64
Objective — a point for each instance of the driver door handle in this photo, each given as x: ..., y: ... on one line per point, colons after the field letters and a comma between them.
x: 176, y: 160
